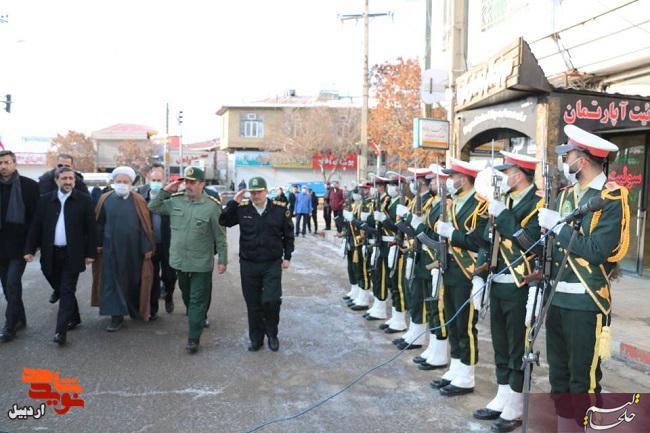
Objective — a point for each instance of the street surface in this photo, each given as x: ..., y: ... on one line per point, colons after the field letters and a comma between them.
x: 140, y: 379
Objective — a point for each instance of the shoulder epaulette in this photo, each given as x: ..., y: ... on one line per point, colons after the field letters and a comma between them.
x: 177, y: 194
x: 214, y: 199
x: 244, y: 202
x: 279, y: 203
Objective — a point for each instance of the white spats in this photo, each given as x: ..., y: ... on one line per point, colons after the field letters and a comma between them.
x: 453, y: 369
x: 439, y: 353
x: 514, y: 408
x: 399, y: 321
x: 418, y: 334
x: 465, y: 376
x: 378, y: 309
x: 499, y: 401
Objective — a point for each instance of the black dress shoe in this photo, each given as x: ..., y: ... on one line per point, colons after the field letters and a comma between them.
x: 439, y: 383
x: 486, y: 414
x: 59, y: 339
x: 73, y: 325
x: 54, y: 297
x: 452, y: 390
x: 254, y: 346
x: 370, y: 318
x: 169, y: 306
x: 419, y: 360
x: 7, y: 335
x: 274, y: 344
x: 425, y: 366
x: 408, y: 346
x: 366, y: 314
x: 383, y: 326
x: 390, y: 330
x: 359, y: 307
x: 192, y: 345
x: 346, y: 298
x: 504, y: 426
x: 116, y: 324
x: 398, y: 341
x: 153, y: 317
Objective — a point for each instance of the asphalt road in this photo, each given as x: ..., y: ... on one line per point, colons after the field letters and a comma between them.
x: 140, y: 379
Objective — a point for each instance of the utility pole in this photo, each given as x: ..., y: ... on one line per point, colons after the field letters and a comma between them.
x: 458, y: 42
x: 427, y: 49
x: 362, y: 166
x: 180, y: 142
x: 166, y: 144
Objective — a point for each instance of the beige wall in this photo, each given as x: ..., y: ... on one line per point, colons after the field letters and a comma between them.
x: 230, y: 137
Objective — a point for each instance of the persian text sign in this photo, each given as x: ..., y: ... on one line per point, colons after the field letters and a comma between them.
x: 591, y: 112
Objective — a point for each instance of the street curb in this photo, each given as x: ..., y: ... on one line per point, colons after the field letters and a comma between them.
x: 633, y: 355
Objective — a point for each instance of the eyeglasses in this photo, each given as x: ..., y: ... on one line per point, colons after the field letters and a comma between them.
x: 63, y: 165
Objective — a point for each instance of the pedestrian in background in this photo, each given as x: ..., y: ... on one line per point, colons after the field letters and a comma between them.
x: 47, y: 182
x: 314, y: 209
x: 123, y: 271
x: 303, y: 210
x: 18, y: 199
x: 64, y: 229
x: 327, y: 210
x: 265, y: 248
x: 336, y: 202
x: 292, y: 200
x: 194, y: 219
x: 164, y: 277
x: 281, y: 197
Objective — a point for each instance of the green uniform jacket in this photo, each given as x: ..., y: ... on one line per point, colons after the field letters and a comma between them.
x: 469, y: 221
x: 509, y: 221
x: 604, y: 235
x: 195, y: 231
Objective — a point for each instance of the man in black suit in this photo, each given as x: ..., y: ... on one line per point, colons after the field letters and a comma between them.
x: 162, y: 272
x: 18, y: 198
x: 64, y: 229
x: 47, y: 182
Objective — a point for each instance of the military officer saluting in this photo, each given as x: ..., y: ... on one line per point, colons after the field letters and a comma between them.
x: 515, y: 220
x: 577, y: 326
x: 194, y: 222
x: 468, y: 219
x: 266, y: 242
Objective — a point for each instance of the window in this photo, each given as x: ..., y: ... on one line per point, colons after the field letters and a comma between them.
x: 251, y: 125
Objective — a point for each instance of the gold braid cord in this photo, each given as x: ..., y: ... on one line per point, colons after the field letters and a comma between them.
x: 624, y: 239
x: 538, y: 206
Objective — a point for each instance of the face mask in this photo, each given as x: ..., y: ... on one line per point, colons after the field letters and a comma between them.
x: 505, y: 187
x: 393, y: 191
x: 121, y: 189
x: 571, y: 176
x: 372, y: 192
x: 413, y: 187
x: 451, y: 186
x: 155, y: 186
x: 356, y: 196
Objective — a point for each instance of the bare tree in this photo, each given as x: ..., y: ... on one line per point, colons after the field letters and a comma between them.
x: 79, y: 146
x: 326, y: 135
x: 136, y: 154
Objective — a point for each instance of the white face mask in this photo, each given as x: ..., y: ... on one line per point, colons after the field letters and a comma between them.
x: 121, y: 189
x: 393, y: 191
x: 413, y: 187
x: 356, y: 196
x: 572, y: 177
x: 372, y: 192
x: 451, y: 186
x: 505, y: 187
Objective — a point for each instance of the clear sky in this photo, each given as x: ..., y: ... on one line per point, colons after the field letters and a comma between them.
x: 85, y: 65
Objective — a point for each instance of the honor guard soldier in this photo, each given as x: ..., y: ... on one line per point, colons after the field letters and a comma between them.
x: 515, y: 221
x: 361, y: 208
x: 194, y: 221
x: 266, y: 242
x: 417, y: 277
x: 577, y: 326
x: 395, y: 256
x: 468, y: 215
x: 428, y: 267
x: 379, y: 256
x: 351, y: 244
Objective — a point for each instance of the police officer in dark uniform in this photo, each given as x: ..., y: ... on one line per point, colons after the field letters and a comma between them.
x: 265, y: 245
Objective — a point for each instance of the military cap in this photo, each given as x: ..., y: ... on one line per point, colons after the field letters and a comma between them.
x: 194, y: 173
x: 579, y: 139
x: 257, y: 184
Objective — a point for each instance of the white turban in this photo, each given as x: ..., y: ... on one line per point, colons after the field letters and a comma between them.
x: 124, y: 170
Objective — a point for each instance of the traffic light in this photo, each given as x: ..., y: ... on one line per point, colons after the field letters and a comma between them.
x: 7, y: 103
x: 180, y: 117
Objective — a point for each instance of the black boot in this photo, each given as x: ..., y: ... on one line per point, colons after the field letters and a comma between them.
x: 192, y: 345
x: 116, y: 324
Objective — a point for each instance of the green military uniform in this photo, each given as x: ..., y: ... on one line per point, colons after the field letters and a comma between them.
x: 509, y: 292
x: 362, y: 264
x: 580, y: 311
x: 380, y: 285
x: 397, y: 282
x: 195, y: 232
x: 467, y: 214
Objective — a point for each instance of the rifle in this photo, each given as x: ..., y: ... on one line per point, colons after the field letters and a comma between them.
x: 399, y: 236
x: 416, y: 244
x: 376, y: 249
x: 495, y: 239
x: 542, y: 276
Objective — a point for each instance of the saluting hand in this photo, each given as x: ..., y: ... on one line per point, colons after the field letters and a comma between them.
x: 240, y: 195
x: 173, y: 187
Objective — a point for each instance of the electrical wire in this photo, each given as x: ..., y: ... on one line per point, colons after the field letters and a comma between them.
x: 394, y: 357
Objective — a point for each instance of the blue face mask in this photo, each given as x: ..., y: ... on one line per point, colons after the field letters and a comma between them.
x: 155, y: 186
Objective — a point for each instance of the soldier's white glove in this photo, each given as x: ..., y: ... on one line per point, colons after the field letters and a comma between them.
x: 548, y: 220
x: 402, y: 210
x: 496, y: 207
x: 477, y: 288
x: 349, y: 216
x: 529, y: 305
x: 416, y: 221
x: 364, y: 216
x: 435, y: 274
x: 379, y: 216
x: 445, y: 229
